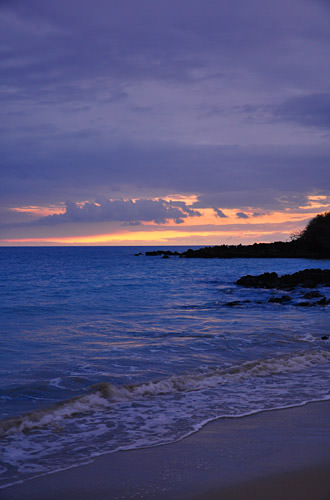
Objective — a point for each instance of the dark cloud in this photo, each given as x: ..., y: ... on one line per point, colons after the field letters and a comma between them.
x: 219, y: 213
x: 311, y: 110
x: 128, y: 211
x: 57, y: 47
x: 241, y: 215
x: 226, y: 177
x: 240, y: 225
x: 141, y: 99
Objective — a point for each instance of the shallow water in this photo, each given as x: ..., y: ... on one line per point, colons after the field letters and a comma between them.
x: 102, y: 350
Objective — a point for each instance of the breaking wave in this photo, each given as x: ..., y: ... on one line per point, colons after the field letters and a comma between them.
x: 104, y: 395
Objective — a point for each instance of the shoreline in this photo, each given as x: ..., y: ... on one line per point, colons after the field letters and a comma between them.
x: 228, y: 458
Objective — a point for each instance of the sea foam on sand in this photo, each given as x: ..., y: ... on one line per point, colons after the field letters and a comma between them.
x: 275, y: 454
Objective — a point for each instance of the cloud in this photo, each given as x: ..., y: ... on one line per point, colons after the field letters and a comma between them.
x: 228, y: 177
x: 219, y: 213
x: 241, y: 215
x: 311, y: 110
x: 136, y: 100
x: 128, y: 211
x: 51, y: 53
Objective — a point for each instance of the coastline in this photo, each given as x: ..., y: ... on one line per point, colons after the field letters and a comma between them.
x: 274, y: 454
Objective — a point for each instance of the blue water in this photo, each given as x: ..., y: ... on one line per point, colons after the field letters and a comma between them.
x: 102, y: 350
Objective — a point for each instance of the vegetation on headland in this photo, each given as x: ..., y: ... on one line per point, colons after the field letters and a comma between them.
x: 313, y: 242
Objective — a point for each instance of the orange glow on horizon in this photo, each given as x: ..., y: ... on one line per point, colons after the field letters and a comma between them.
x: 142, y: 237
x: 40, y: 211
x: 208, y: 217
x: 145, y: 236
x: 207, y: 229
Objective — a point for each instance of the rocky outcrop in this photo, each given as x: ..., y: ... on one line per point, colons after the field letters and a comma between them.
x: 308, y: 278
x: 312, y: 243
x: 284, y: 299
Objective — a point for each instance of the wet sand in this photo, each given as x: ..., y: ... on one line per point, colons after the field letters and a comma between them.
x: 281, y: 454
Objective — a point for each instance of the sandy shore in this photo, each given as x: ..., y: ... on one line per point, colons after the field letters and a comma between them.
x: 282, y: 455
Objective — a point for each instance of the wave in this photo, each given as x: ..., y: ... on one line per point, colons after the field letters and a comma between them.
x: 102, y: 396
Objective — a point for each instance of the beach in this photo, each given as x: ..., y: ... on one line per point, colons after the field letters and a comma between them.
x: 274, y: 454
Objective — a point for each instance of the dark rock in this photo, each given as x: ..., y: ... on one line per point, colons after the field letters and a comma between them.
x: 278, y: 249
x: 287, y: 288
x: 137, y: 254
x: 323, y: 302
x: 280, y: 300
x: 312, y: 295
x: 325, y: 337
x: 266, y: 280
x: 308, y: 278
x: 237, y: 302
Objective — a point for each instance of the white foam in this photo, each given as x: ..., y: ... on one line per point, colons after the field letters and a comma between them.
x: 105, y: 395
x: 56, y: 382
x: 191, y: 382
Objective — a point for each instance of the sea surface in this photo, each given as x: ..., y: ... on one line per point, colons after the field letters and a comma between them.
x: 103, y: 350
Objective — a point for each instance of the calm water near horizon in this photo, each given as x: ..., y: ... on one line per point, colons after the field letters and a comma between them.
x: 102, y: 350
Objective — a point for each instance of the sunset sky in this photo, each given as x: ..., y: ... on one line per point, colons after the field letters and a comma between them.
x: 162, y: 122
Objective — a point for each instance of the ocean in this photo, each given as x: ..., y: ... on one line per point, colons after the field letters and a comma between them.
x: 103, y: 350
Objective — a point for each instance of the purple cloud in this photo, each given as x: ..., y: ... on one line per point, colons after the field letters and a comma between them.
x: 219, y: 213
x: 137, y: 100
x: 241, y: 215
x: 311, y: 110
x: 127, y: 211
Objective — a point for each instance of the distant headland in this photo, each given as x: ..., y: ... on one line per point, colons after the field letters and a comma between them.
x: 313, y: 242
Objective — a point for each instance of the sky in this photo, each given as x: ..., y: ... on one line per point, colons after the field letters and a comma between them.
x: 162, y: 122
